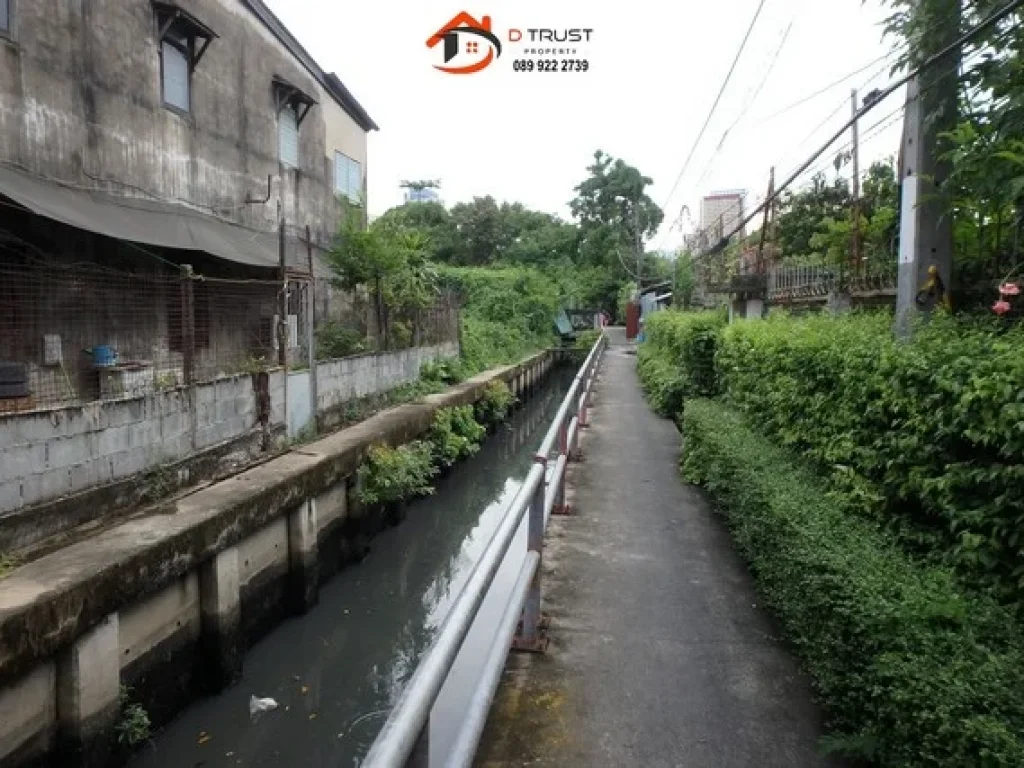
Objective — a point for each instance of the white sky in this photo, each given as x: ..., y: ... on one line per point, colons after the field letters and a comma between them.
x: 655, y: 68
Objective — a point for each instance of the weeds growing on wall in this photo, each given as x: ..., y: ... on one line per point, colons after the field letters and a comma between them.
x: 392, y: 475
x: 134, y: 726
x: 454, y: 435
x: 495, y: 403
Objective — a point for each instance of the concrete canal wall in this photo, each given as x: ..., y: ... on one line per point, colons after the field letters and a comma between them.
x: 167, y: 604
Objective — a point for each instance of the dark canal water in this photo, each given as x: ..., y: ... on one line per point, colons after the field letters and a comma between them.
x: 337, y: 671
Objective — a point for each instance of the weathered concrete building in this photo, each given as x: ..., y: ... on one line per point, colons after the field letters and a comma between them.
x: 195, y: 103
x: 157, y: 161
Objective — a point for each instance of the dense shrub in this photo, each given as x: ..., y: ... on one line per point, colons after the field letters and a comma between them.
x: 391, y: 475
x: 911, y: 672
x: 662, y: 379
x: 928, y: 435
x: 507, y: 313
x: 334, y: 340
x: 444, y: 372
x: 586, y: 339
x: 495, y: 403
x: 677, y: 359
x: 454, y: 434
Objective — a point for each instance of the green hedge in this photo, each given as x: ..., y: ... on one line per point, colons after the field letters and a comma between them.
x: 910, y: 671
x: 928, y: 435
x: 677, y: 358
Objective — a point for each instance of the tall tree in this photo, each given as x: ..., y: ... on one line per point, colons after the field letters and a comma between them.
x: 614, y: 211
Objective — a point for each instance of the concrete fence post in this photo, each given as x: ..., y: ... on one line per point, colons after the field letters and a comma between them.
x: 221, y: 619
x: 303, y: 558
x: 88, y: 685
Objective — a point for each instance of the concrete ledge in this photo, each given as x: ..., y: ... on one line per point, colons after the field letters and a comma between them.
x: 48, y: 604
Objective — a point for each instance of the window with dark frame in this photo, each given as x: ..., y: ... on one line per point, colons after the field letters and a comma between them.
x: 292, y: 104
x: 5, y: 16
x: 183, y: 40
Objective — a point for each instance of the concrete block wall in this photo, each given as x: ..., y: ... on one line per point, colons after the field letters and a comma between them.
x: 339, y: 381
x: 49, y: 454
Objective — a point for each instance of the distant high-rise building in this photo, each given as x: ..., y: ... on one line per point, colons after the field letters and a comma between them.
x: 721, y: 213
x: 424, y: 195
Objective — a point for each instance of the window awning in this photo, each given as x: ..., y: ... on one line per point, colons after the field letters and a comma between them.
x: 140, y: 220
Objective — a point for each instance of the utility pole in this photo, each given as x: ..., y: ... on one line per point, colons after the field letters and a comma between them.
x: 857, y: 265
x: 764, y: 224
x: 926, y: 229
x: 636, y: 245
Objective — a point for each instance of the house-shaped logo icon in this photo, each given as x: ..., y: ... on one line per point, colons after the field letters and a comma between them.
x: 479, y: 48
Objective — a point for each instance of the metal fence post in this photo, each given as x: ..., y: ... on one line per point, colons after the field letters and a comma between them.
x: 188, y: 325
x: 531, y: 636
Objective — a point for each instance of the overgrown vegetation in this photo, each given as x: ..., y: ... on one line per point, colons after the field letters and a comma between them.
x: 911, y: 670
x: 495, y: 403
x: 455, y: 434
x: 133, y: 726
x: 334, y: 340
x: 585, y: 340
x: 393, y: 475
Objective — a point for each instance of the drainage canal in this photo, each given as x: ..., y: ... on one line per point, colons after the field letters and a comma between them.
x: 336, y: 671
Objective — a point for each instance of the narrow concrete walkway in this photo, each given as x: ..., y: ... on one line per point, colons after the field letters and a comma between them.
x: 660, y: 655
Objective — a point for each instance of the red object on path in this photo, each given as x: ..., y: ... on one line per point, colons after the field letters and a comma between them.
x: 632, y: 321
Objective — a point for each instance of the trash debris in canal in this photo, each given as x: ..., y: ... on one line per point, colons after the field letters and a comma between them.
x: 203, y: 737
x: 258, y: 706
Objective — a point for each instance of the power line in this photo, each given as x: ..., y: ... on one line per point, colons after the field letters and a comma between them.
x: 842, y: 104
x: 991, y: 20
x: 718, y: 98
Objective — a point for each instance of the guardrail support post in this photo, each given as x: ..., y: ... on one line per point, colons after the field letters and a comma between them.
x: 420, y: 757
x: 532, y: 633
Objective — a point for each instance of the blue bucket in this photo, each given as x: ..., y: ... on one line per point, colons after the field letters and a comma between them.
x: 104, y: 356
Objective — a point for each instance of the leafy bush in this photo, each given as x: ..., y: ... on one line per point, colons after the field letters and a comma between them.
x: 663, y: 381
x: 586, y: 339
x: 455, y: 434
x: 677, y: 359
x: 390, y: 475
x: 927, y: 436
x: 495, y: 403
x: 487, y: 344
x: 334, y: 340
x: 134, y: 726
x: 443, y: 371
x: 911, y: 671
x: 507, y: 313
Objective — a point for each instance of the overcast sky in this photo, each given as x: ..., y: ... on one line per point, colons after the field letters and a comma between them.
x: 655, y: 68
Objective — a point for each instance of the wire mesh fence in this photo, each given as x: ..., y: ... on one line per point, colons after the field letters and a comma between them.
x: 75, y: 334
x: 72, y: 334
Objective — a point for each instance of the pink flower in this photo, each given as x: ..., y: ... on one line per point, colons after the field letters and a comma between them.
x: 1001, y: 307
x: 1009, y: 289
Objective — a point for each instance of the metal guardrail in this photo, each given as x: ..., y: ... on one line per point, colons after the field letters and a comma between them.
x: 405, y: 738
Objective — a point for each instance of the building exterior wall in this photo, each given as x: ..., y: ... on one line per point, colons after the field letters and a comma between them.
x: 81, y: 101
x: 726, y: 208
